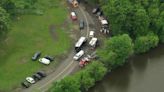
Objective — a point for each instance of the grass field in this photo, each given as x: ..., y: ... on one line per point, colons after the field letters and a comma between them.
x: 29, y: 34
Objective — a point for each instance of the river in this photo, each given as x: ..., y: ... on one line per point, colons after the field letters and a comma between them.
x: 143, y: 73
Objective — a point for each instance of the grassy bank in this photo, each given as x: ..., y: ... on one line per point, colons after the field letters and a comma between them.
x: 31, y: 33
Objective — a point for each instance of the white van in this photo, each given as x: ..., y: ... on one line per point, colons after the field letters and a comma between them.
x: 44, y: 61
x: 78, y: 55
x: 93, y: 42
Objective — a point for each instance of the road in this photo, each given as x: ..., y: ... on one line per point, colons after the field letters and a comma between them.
x: 68, y: 66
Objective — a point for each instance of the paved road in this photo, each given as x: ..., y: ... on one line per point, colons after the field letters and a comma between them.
x: 67, y: 66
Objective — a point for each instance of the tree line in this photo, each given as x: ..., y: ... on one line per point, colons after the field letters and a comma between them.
x: 142, y: 20
x: 136, y: 25
x: 10, y: 9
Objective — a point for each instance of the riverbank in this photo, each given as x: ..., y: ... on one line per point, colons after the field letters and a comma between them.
x: 142, y: 73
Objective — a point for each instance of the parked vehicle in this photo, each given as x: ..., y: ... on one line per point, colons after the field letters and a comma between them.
x: 73, y: 16
x: 36, y: 56
x: 84, y: 61
x: 44, y: 61
x: 78, y: 55
x: 25, y: 84
x: 42, y: 74
x: 91, y: 34
x: 93, y: 42
x: 101, y: 18
x: 104, y: 22
x: 95, y: 10
x: 104, y: 30
x: 81, y: 24
x: 99, y: 13
x: 74, y: 3
x: 80, y: 43
x: 30, y: 80
x: 49, y: 57
x: 36, y: 77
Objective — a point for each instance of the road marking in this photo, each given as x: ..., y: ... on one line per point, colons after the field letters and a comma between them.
x: 56, y: 76
x: 85, y: 20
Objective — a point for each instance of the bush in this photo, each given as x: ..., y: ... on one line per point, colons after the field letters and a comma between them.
x: 145, y: 43
x: 117, y: 50
x: 68, y: 84
x: 82, y: 80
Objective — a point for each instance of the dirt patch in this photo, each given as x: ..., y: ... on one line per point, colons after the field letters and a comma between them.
x: 52, y: 29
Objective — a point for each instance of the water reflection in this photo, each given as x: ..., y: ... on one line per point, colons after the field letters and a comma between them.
x: 143, y: 73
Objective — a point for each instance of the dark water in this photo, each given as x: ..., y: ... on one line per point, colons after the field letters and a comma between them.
x: 143, y: 73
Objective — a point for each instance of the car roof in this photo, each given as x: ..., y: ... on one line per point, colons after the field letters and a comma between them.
x: 104, y: 22
x: 80, y: 52
x: 73, y: 14
x: 80, y: 41
x: 93, y: 41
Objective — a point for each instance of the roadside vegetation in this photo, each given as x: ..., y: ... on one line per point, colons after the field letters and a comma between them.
x: 137, y: 26
x: 28, y: 26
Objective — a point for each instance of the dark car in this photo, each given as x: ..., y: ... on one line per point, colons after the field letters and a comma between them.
x: 81, y: 24
x: 25, y: 84
x: 37, y: 77
x: 36, y: 56
x: 41, y: 73
x: 95, y: 10
x: 49, y: 57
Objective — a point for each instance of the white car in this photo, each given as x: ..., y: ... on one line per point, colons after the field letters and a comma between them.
x: 91, y: 34
x: 78, y: 55
x: 44, y: 61
x: 30, y: 80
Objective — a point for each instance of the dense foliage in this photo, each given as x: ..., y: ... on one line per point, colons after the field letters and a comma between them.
x: 135, y: 17
x: 11, y: 8
x: 145, y: 43
x: 82, y: 80
x: 117, y: 50
x: 4, y: 18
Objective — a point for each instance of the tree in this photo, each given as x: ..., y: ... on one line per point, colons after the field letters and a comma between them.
x: 14, y: 7
x: 127, y: 18
x: 122, y: 46
x: 85, y: 79
x: 116, y: 11
x: 144, y: 43
x: 4, y: 21
x: 68, y: 84
x: 96, y: 70
x: 107, y: 58
x: 139, y: 22
x: 160, y: 26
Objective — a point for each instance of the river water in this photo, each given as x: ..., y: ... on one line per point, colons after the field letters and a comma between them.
x: 143, y: 73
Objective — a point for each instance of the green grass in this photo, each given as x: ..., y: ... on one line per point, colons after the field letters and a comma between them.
x: 29, y: 34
